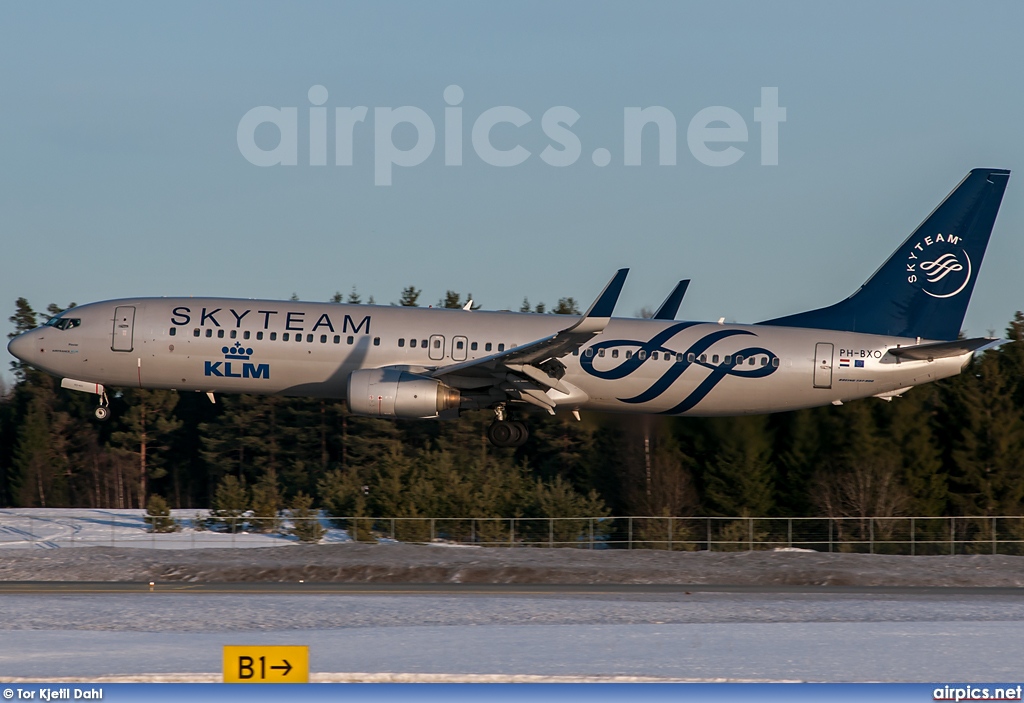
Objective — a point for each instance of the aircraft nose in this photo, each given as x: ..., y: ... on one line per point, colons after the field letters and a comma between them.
x: 20, y: 346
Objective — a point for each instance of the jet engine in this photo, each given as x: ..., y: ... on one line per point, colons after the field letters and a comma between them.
x: 395, y: 393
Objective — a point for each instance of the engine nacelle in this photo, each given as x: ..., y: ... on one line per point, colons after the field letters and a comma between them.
x: 394, y: 393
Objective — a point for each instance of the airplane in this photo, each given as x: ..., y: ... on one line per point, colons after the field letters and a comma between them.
x: 898, y: 330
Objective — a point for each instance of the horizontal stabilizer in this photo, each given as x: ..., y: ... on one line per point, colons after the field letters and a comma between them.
x: 945, y: 350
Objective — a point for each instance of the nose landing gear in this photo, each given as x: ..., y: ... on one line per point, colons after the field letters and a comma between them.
x: 103, y: 411
x: 506, y: 432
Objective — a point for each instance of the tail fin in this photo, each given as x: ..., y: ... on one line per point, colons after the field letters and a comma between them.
x: 922, y: 290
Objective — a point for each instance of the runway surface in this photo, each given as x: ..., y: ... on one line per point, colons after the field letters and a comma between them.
x: 660, y: 632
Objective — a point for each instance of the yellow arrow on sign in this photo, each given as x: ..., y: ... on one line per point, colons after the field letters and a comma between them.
x: 266, y: 664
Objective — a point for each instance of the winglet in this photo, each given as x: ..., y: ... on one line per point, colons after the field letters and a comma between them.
x: 597, y: 316
x: 670, y: 307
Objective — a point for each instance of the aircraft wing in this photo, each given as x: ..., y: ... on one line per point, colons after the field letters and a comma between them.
x: 538, y: 360
x: 942, y: 350
x: 670, y: 307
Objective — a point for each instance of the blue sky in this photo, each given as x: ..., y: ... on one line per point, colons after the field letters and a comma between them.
x: 122, y: 175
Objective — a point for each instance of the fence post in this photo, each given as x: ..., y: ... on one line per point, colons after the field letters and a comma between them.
x: 707, y: 520
x: 432, y: 529
x: 830, y: 535
x: 551, y: 532
x: 952, y: 536
x: 750, y: 534
x: 670, y: 520
x: 871, y: 535
x: 913, y: 538
x: 629, y: 535
x: 591, y: 533
x: 512, y: 532
x: 994, y: 542
x: 789, y: 532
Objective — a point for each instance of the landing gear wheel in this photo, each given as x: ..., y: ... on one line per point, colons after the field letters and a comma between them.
x: 102, y: 413
x: 507, y: 433
x: 524, y: 433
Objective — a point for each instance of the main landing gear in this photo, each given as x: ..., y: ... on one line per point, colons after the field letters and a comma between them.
x: 103, y: 411
x: 506, y: 432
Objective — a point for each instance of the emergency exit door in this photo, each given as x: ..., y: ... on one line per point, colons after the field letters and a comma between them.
x: 823, y: 365
x: 124, y: 329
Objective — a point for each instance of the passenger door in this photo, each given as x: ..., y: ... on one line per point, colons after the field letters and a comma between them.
x: 123, y: 338
x: 823, y: 365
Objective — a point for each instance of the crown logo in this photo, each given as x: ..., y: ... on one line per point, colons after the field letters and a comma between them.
x: 236, y: 352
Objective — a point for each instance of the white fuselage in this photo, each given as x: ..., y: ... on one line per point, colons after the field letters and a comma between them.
x: 224, y: 345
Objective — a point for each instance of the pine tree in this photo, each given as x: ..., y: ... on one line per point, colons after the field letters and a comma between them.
x: 158, y: 515
x: 230, y: 503
x: 305, y: 520
x: 409, y: 297
x: 740, y: 480
x: 148, y: 426
x: 266, y: 502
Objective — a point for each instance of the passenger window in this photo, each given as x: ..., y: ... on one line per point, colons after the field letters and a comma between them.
x: 259, y: 335
x: 629, y: 355
x: 174, y: 331
x: 195, y: 332
x: 437, y: 343
x: 750, y: 361
x: 351, y: 339
x: 615, y: 353
x: 273, y: 336
x: 691, y: 357
x: 642, y: 354
x: 654, y: 355
x: 220, y: 334
x: 739, y: 359
x: 600, y: 352
x: 209, y: 333
x: 703, y: 358
x: 459, y: 345
x: 679, y: 358
x: 775, y: 362
x: 298, y: 337
x: 246, y: 334
x: 714, y: 359
x: 401, y: 342
x: 309, y: 338
x: 589, y: 352
x: 323, y: 339
x: 501, y: 347
x: 473, y: 346
x: 764, y: 361
x: 285, y: 336
x: 575, y: 352
x: 487, y: 347
x: 234, y: 334
x: 337, y: 339
x: 728, y: 359
x: 412, y: 343
x: 376, y: 341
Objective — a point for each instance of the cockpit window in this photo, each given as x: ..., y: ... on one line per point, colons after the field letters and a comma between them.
x: 63, y: 323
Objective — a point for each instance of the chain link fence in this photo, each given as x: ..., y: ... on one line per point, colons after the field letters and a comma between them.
x: 181, y: 529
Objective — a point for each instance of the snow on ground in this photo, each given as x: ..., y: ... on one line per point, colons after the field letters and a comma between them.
x: 77, y: 527
x: 703, y: 636
x: 821, y: 636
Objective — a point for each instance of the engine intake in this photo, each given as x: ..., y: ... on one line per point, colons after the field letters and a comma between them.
x: 395, y: 393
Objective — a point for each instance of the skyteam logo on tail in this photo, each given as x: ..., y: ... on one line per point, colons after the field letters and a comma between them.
x: 942, y: 272
x: 236, y: 354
